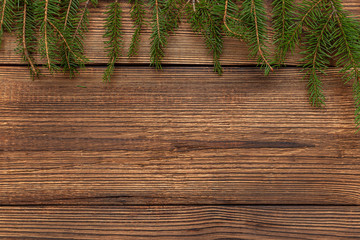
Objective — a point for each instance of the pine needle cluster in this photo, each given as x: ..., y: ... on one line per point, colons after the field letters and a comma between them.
x: 247, y: 23
x: 113, y: 31
x: 138, y: 16
x: 166, y: 15
x: 203, y: 20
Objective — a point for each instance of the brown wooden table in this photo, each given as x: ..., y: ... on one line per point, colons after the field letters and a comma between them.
x: 175, y: 154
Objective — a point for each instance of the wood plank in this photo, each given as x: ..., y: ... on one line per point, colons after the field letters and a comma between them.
x: 184, y: 47
x: 180, y: 222
x: 179, y: 136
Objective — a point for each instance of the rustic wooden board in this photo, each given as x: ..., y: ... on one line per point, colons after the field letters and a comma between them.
x: 184, y: 47
x: 179, y: 136
x: 180, y: 222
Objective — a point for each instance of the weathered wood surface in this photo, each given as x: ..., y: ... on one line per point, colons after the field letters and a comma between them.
x: 178, y: 136
x: 180, y: 222
x: 184, y: 47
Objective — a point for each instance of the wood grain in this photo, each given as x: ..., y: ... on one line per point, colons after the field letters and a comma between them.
x: 178, y: 136
x: 184, y: 47
x: 180, y: 222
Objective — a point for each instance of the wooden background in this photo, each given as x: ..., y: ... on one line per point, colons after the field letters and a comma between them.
x: 175, y: 154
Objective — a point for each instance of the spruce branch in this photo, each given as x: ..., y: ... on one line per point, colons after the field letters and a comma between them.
x: 347, y: 47
x: 74, y: 26
x: 158, y: 35
x: 7, y: 15
x: 283, y: 15
x: 317, y: 59
x: 165, y: 19
x: 203, y: 21
x: 47, y: 15
x: 232, y: 23
x: 113, y: 31
x: 254, y: 19
x: 137, y: 15
x: 293, y: 33
x: 81, y: 27
x: 25, y: 26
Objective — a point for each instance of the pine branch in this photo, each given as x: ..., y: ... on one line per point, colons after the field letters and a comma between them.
x: 293, y: 34
x: 25, y: 26
x: 47, y: 13
x: 7, y: 16
x: 137, y: 15
x: 74, y: 25
x: 254, y: 19
x: 231, y: 19
x: 165, y: 19
x: 113, y: 31
x: 347, y: 46
x: 283, y: 18
x: 209, y: 26
x: 317, y: 56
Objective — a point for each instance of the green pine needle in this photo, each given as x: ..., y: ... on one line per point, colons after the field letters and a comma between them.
x: 137, y: 15
x: 283, y: 19
x: 203, y: 21
x: 114, y: 33
x: 27, y: 42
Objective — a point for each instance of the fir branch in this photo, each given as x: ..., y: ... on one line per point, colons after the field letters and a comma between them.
x: 25, y: 26
x: 283, y: 18
x: 158, y: 36
x: 113, y: 31
x: 203, y: 21
x: 137, y: 15
x: 75, y: 24
x: 47, y: 12
x: 254, y: 19
x: 232, y: 24
x: 7, y: 16
x: 81, y: 26
x: 317, y: 59
x: 347, y: 47
x: 66, y: 42
x: 292, y: 36
x: 165, y: 19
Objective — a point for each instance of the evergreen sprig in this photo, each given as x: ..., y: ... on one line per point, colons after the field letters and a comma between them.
x: 137, y: 14
x: 6, y: 15
x: 114, y: 33
x: 231, y: 19
x: 47, y: 16
x: 283, y: 17
x: 26, y: 30
x: 317, y: 46
x: 346, y: 37
x: 254, y: 18
x: 70, y: 21
x: 166, y: 16
x: 203, y: 21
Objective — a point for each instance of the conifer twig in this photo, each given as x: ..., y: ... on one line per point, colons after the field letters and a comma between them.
x: 33, y: 69
x: 257, y: 35
x: 137, y: 14
x: 113, y: 31
x: 65, y: 41
x: 81, y: 19
x: 225, y: 21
